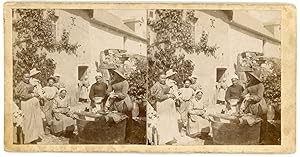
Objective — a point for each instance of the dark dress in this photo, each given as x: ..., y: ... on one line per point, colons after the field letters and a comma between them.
x: 122, y: 103
x: 257, y: 105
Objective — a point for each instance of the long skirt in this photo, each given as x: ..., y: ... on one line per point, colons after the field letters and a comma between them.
x: 33, y: 123
x: 167, y: 125
x: 48, y: 110
x: 197, y: 125
x: 61, y: 122
x: 183, y: 112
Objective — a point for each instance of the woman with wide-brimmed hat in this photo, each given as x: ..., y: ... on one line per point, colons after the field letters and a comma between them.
x: 119, y: 99
x: 254, y: 99
x: 170, y: 74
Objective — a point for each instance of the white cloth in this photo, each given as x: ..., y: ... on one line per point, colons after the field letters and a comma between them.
x: 173, y: 87
x: 37, y: 86
x: 167, y: 125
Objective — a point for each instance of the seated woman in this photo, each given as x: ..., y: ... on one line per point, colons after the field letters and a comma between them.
x: 63, y: 123
x: 197, y: 125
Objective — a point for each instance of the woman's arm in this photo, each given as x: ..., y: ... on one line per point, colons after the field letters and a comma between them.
x: 124, y: 92
x: 158, y: 93
x: 260, y: 94
x: 26, y: 94
x: 91, y: 94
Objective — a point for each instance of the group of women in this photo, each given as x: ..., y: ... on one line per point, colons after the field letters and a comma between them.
x: 190, y: 108
x: 46, y: 109
x: 185, y: 102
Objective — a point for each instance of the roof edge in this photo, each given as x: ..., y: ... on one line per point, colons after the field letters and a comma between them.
x: 255, y: 32
x: 94, y: 20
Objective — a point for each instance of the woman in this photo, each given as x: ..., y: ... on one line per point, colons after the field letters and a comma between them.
x: 98, y: 92
x: 198, y: 125
x: 185, y: 96
x: 84, y: 89
x: 170, y: 74
x: 50, y: 92
x: 254, y: 100
x: 221, y: 89
x: 167, y: 126
x: 119, y: 99
x: 30, y: 106
x: 63, y: 122
x: 34, y: 75
x: 233, y: 96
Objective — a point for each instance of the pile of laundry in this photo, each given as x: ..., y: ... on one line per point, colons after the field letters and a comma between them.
x: 241, y: 119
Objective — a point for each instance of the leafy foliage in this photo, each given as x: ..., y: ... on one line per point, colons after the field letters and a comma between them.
x: 270, y: 73
x: 138, y: 79
x: 272, y: 82
x: 173, y: 31
x: 35, y: 31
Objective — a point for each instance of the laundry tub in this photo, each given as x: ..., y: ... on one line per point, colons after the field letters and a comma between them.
x: 230, y: 133
x: 99, y: 130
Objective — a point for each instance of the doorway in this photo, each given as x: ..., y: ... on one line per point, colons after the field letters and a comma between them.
x: 82, y: 71
x: 220, y: 73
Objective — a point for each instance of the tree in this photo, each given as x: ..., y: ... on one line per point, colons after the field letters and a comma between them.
x: 34, y: 33
x: 138, y: 78
x: 173, y: 31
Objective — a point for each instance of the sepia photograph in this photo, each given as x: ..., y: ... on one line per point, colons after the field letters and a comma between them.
x: 149, y: 77
x: 79, y: 76
x: 214, y: 77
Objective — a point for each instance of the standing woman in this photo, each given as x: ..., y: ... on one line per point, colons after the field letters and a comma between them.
x: 167, y: 126
x: 50, y: 93
x: 30, y: 106
x: 170, y: 74
x: 120, y: 100
x: 185, y: 96
x: 255, y: 102
x: 84, y: 89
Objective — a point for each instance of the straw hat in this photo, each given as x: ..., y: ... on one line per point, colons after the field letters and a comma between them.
x: 170, y: 73
x: 33, y: 72
x: 57, y: 75
x: 194, y: 76
x: 234, y: 77
x: 120, y: 72
x: 256, y: 74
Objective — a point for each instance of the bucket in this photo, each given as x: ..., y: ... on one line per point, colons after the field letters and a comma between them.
x: 235, y: 134
x: 101, y: 131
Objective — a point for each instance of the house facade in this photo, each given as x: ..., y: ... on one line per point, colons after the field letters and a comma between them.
x: 233, y: 32
x: 95, y: 31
